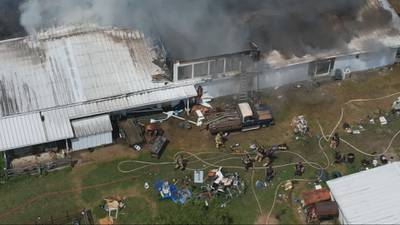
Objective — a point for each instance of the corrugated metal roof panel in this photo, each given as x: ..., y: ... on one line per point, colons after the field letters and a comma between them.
x: 57, y: 125
x: 92, y: 125
x: 68, y: 66
x: 160, y: 96
x: 369, y: 197
x: 21, y: 131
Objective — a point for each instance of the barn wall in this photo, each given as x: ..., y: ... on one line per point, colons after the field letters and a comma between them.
x: 271, y: 78
x: 365, y: 61
x: 91, y: 141
x: 282, y: 76
x: 295, y: 73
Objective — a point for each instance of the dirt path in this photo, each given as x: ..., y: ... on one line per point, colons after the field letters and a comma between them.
x: 262, y: 219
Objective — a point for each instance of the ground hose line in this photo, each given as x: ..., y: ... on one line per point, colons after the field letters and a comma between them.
x: 254, y: 192
x: 276, y: 193
x: 341, y: 118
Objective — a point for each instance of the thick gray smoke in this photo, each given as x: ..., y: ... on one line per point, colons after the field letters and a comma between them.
x: 198, y: 28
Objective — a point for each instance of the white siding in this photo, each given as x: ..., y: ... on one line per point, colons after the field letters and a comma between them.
x: 365, y: 61
x: 25, y: 130
x: 91, y: 141
x: 283, y: 76
x: 270, y: 78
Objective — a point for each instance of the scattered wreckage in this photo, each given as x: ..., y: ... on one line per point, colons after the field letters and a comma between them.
x: 300, y: 125
x: 317, y: 205
x: 216, y: 184
x: 137, y: 135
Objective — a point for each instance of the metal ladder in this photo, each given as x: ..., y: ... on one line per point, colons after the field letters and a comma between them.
x: 243, y: 88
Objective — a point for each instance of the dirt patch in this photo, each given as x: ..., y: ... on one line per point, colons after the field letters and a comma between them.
x: 262, y: 219
x: 105, y: 154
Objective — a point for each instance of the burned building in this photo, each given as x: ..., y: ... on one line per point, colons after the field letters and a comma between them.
x: 354, y: 42
x: 62, y: 85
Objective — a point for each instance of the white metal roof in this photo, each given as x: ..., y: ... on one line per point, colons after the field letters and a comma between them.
x: 71, y: 65
x: 91, y: 125
x: 369, y: 197
x: 22, y: 131
x: 29, y: 129
x: 72, y: 72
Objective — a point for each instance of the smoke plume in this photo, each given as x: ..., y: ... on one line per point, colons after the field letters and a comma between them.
x: 199, y: 28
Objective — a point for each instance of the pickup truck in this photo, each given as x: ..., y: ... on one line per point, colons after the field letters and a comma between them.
x: 244, y: 118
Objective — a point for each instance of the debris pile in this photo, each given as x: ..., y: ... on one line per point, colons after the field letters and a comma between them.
x: 317, y: 205
x: 170, y: 191
x: 138, y: 135
x: 357, y: 129
x: 396, y: 106
x: 113, y: 205
x: 217, y: 183
x: 300, y: 125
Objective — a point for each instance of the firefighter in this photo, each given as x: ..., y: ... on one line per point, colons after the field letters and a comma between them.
x: 338, y: 157
x: 219, y: 140
x: 260, y: 154
x: 269, y: 173
x: 299, y: 169
x: 180, y: 162
x: 270, y: 154
x: 335, y: 140
x: 247, y: 162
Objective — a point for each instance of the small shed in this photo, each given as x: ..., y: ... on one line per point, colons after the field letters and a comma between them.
x: 326, y: 209
x: 311, y: 197
x: 322, y: 211
x: 91, y: 132
x: 369, y: 197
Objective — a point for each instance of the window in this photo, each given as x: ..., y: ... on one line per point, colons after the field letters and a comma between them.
x: 201, y: 69
x: 232, y: 64
x: 217, y: 66
x: 323, y: 67
x: 185, y: 72
x: 398, y: 54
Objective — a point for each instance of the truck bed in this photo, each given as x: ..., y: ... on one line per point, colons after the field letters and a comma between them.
x: 229, y: 123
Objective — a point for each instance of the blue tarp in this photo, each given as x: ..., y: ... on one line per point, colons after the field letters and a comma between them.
x: 170, y: 191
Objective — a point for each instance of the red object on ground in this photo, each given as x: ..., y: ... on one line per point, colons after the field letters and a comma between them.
x: 311, y: 197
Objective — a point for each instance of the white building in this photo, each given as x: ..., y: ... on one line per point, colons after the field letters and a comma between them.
x: 369, y: 197
x: 63, y: 84
x: 219, y: 74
